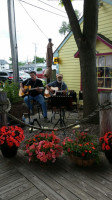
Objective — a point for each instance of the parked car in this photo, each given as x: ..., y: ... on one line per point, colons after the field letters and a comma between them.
x: 23, y: 75
x: 7, y: 75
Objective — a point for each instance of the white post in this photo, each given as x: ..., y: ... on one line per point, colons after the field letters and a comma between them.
x: 13, y: 42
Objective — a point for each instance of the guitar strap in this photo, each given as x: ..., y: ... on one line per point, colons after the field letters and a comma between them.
x: 27, y: 82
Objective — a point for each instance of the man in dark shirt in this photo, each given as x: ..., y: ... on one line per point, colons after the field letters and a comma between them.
x: 35, y: 93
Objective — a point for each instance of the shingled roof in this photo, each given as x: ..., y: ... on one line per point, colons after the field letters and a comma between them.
x: 3, y: 62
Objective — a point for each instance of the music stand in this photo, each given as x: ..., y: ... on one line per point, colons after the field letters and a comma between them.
x: 60, y: 102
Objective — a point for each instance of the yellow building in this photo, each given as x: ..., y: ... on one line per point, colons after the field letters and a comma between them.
x: 68, y: 55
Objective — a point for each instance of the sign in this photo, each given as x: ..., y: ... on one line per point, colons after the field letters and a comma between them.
x: 56, y: 60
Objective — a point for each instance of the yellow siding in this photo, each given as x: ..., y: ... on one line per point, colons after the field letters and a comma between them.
x: 70, y: 66
x: 101, y: 48
x: 104, y: 20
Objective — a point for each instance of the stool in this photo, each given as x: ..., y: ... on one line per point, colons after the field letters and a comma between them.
x: 35, y: 103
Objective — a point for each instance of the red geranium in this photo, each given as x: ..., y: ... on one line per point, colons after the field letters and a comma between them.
x: 12, y: 135
x: 82, y: 146
x: 106, y: 141
x: 44, y: 147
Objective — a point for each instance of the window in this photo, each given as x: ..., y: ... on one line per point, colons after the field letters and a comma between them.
x: 104, y: 71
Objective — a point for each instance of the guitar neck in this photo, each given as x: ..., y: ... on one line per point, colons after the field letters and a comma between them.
x: 36, y: 88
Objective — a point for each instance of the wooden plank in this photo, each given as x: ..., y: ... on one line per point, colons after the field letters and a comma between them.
x: 26, y: 195
x: 17, y: 190
x: 5, y: 169
x: 8, y: 173
x: 10, y: 179
x: 60, y: 177
x: 44, y: 188
x: 85, y: 174
x: 61, y: 185
x: 12, y: 185
x: 38, y: 196
x: 67, y: 189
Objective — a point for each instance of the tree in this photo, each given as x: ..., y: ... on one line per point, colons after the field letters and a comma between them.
x: 39, y: 60
x: 86, y: 43
x: 66, y: 27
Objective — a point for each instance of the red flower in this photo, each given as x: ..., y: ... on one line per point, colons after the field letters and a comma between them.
x: 103, y: 146
x: 106, y: 141
x: 83, y: 154
x: 107, y: 147
x: 12, y: 135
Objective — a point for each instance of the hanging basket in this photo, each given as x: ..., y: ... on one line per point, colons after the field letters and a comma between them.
x: 81, y: 162
x: 7, y: 151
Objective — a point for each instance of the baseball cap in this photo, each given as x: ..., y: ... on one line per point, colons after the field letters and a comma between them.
x: 59, y: 75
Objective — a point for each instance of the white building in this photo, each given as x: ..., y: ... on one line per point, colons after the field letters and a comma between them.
x: 4, y: 65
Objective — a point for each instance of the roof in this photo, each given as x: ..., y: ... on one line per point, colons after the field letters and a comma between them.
x: 70, y: 33
x: 3, y: 62
x: 65, y: 39
x: 107, y: 1
x: 101, y: 38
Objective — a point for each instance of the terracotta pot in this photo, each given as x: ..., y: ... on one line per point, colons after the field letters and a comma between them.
x: 81, y: 162
x: 108, y: 155
x: 7, y: 151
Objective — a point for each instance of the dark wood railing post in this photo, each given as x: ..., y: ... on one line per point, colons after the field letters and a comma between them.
x: 3, y: 107
x: 105, y: 115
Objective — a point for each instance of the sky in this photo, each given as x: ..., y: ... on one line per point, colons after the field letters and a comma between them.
x: 34, y: 26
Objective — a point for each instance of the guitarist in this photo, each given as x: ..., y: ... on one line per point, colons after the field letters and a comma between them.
x: 59, y: 84
x: 35, y: 93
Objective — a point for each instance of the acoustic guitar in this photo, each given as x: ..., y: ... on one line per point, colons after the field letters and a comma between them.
x: 48, y: 94
x: 27, y: 90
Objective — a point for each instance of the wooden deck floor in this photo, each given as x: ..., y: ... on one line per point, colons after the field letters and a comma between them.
x: 63, y: 180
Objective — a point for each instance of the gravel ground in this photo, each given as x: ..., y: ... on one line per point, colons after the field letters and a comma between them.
x: 92, y: 129
x: 71, y: 117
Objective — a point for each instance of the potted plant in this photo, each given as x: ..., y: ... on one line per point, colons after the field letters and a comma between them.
x: 43, y: 147
x: 10, y: 139
x: 106, y: 145
x: 82, y: 150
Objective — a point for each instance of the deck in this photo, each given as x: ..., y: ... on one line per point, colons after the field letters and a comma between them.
x: 63, y: 180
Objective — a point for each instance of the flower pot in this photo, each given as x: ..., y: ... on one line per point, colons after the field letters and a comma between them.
x: 108, y: 155
x: 81, y: 162
x: 7, y: 151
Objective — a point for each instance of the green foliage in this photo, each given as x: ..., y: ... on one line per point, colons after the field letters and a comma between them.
x: 39, y: 60
x: 66, y: 27
x: 12, y: 90
x: 39, y: 69
x: 21, y: 63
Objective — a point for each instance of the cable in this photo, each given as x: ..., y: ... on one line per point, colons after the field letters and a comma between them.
x: 42, y: 8
x: 33, y: 20
x: 51, y: 6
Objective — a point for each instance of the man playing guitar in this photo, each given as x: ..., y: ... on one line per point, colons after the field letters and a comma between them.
x: 62, y: 87
x: 35, y: 93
